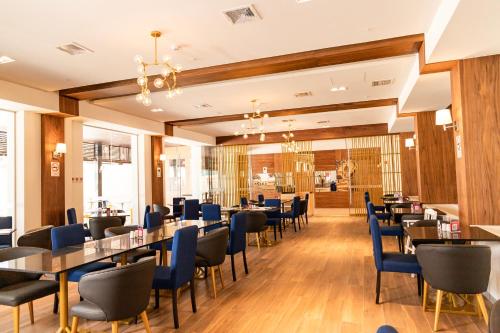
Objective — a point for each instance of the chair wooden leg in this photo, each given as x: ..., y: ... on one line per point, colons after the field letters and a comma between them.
x: 377, y: 288
x: 245, y: 262
x: 482, y: 307
x: 220, y: 276
x: 145, y: 321
x: 193, y: 295
x: 232, y: 267
x: 274, y: 229
x: 56, y: 304
x: 74, y: 324
x: 32, y: 316
x: 281, y: 230
x: 157, y: 298
x: 439, y: 299
x: 16, y: 318
x: 257, y: 239
x: 212, y: 273
x: 114, y: 327
x: 424, y: 297
x: 174, y: 306
x: 419, y: 284
x: 294, y: 226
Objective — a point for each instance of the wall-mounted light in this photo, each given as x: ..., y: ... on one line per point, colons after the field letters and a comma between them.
x: 410, y: 143
x: 59, y: 151
x: 443, y: 118
x: 163, y: 157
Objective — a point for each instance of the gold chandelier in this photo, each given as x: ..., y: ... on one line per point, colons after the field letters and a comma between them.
x: 289, y: 144
x: 166, y: 78
x: 255, y: 122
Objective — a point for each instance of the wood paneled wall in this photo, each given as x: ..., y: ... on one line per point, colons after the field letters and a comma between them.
x: 435, y: 161
x: 258, y: 162
x: 476, y: 109
x: 324, y: 160
x: 409, y: 183
x: 52, y: 132
x: 156, y: 182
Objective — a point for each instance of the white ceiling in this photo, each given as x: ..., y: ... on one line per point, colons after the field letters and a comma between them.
x: 431, y: 92
x: 276, y: 92
x: 473, y: 31
x: 301, y: 122
x: 117, y: 30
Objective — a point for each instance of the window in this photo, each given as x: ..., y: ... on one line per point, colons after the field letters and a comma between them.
x: 7, y: 164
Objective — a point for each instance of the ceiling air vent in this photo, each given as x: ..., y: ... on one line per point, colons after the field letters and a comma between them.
x: 74, y: 49
x: 381, y: 83
x: 242, y: 15
x: 303, y: 94
x: 202, y: 106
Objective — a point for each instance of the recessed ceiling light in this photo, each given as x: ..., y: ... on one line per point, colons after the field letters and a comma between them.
x: 339, y: 88
x: 157, y: 110
x: 6, y: 59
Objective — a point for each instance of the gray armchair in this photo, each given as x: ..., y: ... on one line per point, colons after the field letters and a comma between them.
x: 211, y: 252
x: 132, y: 256
x: 165, y: 211
x: 97, y: 225
x: 459, y: 269
x: 256, y: 223
x: 39, y: 237
x: 115, y: 294
x: 18, y: 288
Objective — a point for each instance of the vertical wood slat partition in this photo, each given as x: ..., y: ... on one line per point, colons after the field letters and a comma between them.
x: 297, y: 168
x: 229, y: 173
x: 375, y: 168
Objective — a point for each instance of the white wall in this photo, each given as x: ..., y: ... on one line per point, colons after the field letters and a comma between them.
x: 28, y: 174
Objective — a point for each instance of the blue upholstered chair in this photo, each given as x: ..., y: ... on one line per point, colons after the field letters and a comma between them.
x: 379, y: 211
x: 146, y: 212
x: 154, y: 220
x: 71, y: 213
x: 211, y: 212
x: 71, y: 235
x: 307, y: 207
x: 181, y: 270
x: 386, y: 329
x: 176, y: 206
x: 394, y: 230
x: 5, y: 240
x: 237, y: 240
x: 243, y: 202
x: 294, y: 213
x: 191, y: 210
x: 274, y: 217
x: 391, y: 261
x: 260, y: 199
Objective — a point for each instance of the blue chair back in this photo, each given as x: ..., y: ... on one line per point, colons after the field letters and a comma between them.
x: 370, y: 208
x: 183, y: 255
x: 273, y: 203
x: 6, y: 223
x: 146, y: 212
x: 243, y: 201
x: 71, y: 213
x: 177, y: 209
x: 191, y: 209
x: 154, y: 220
x: 67, y: 235
x: 296, y: 206
x: 367, y: 196
x: 237, y: 233
x: 260, y: 198
x: 210, y: 212
x: 377, y: 242
x: 307, y: 201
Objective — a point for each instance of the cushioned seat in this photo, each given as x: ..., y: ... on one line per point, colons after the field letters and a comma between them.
x: 88, y: 310
x: 398, y: 262
x: 393, y: 230
x: 24, y: 292
x: 162, y: 278
x: 75, y: 275
x: 386, y: 329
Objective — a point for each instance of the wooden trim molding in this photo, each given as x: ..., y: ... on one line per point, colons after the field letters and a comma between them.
x: 291, y: 112
x: 310, y: 134
x: 156, y: 182
x: 169, y: 129
x: 385, y: 48
x: 438, y: 67
x: 68, y: 106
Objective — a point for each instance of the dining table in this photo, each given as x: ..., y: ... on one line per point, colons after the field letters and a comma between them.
x: 465, y: 234
x: 398, y: 212
x: 60, y: 262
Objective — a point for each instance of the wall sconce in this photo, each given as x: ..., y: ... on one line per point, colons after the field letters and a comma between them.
x: 162, y: 159
x: 410, y: 143
x: 443, y: 118
x: 59, y: 151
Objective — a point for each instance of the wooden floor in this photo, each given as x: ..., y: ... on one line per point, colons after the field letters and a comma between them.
x: 321, y: 279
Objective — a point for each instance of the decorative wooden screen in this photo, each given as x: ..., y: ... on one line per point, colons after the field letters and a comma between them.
x: 229, y: 172
x: 374, y: 164
x: 297, y: 168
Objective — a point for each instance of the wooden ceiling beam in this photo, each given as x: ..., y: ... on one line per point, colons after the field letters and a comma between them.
x: 291, y: 112
x: 372, y: 50
x: 309, y: 134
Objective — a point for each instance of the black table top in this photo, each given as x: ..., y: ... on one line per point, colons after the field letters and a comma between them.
x: 466, y: 233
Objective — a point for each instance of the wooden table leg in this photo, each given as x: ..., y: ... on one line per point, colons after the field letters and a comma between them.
x: 63, y: 303
x: 123, y: 259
